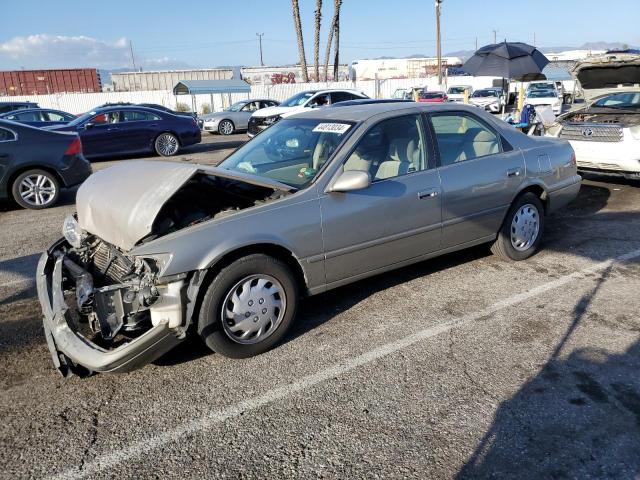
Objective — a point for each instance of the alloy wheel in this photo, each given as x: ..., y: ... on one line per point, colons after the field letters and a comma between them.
x: 226, y: 127
x: 37, y: 190
x: 167, y: 144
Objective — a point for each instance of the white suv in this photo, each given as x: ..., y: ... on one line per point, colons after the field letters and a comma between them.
x: 300, y: 102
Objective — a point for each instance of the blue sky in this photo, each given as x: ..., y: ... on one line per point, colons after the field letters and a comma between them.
x: 39, y: 34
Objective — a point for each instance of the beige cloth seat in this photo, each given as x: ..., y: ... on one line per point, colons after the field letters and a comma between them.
x: 401, y: 150
x: 323, y: 150
x: 357, y: 162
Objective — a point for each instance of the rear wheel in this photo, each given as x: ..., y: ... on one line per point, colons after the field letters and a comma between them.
x: 167, y: 144
x: 521, y: 233
x: 249, y: 306
x: 36, y: 189
x: 226, y: 127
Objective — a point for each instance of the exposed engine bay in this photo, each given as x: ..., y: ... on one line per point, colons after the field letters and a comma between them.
x: 206, y: 197
x: 597, y: 116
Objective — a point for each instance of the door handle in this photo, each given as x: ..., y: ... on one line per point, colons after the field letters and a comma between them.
x: 428, y: 194
x: 112, y: 129
x: 513, y: 173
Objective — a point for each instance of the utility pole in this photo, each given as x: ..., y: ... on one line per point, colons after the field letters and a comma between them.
x: 438, y: 45
x: 476, y: 43
x: 260, y: 35
x: 133, y: 60
x: 534, y: 39
x: 495, y: 32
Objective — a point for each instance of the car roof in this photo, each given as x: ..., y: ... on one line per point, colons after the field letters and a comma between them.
x: 39, y: 109
x: 18, y: 103
x: 125, y: 107
x: 362, y: 112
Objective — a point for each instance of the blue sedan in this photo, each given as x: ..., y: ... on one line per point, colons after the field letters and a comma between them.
x: 38, y: 117
x: 123, y: 130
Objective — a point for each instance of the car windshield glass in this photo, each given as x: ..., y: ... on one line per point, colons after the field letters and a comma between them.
x: 628, y: 100
x: 236, y: 106
x: 457, y: 90
x: 541, y: 94
x: 291, y: 151
x: 297, y: 99
x: 485, y: 93
x: 82, y: 118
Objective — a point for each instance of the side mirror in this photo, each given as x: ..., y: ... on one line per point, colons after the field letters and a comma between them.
x: 351, y: 180
x: 88, y: 126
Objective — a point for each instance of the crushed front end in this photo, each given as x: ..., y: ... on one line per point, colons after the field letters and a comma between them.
x: 104, y: 311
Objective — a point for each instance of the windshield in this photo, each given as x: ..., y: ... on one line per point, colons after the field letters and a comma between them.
x: 457, y: 90
x: 541, y: 86
x: 541, y: 94
x: 625, y: 100
x: 297, y: 99
x: 485, y: 93
x: 81, y: 119
x: 291, y: 151
x: 236, y: 107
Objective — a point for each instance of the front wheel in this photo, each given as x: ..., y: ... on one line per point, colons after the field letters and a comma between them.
x: 35, y: 189
x: 226, y: 127
x: 249, y: 306
x: 167, y: 144
x: 521, y: 233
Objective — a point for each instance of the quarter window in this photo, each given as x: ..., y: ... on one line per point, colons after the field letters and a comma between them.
x: 138, y: 116
x: 391, y: 148
x: 6, y: 135
x: 462, y: 137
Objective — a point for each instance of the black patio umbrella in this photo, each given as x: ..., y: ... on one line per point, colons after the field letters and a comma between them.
x: 506, y: 60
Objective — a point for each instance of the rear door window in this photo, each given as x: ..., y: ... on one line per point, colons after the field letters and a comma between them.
x: 6, y: 135
x: 138, y: 116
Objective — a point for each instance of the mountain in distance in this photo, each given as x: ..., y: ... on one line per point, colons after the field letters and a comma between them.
x: 586, y: 46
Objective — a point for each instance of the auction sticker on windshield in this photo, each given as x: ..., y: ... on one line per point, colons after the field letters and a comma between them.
x: 338, y: 128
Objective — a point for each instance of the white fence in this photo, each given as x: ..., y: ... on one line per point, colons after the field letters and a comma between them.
x: 77, y: 103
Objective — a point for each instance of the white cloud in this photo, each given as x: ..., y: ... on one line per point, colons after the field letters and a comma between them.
x: 59, y: 51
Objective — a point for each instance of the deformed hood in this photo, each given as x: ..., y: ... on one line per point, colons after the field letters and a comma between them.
x: 606, y: 74
x: 119, y: 204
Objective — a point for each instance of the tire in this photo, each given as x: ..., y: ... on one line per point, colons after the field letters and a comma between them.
x: 226, y: 127
x: 525, y: 221
x: 248, y: 274
x: 166, y: 144
x: 36, y: 189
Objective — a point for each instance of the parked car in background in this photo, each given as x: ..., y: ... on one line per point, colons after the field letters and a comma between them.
x: 557, y: 86
x: 6, y: 107
x: 540, y: 97
x: 432, y: 97
x: 456, y: 92
x: 299, y: 102
x: 162, y: 108
x: 35, y: 164
x: 235, y: 117
x: 38, y: 117
x: 488, y: 99
x: 321, y: 199
x: 123, y: 130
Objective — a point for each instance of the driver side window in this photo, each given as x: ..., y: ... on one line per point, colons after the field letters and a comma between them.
x: 391, y: 148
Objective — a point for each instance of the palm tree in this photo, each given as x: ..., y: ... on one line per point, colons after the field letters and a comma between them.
x: 303, y: 58
x: 336, y: 59
x: 332, y: 28
x: 316, y: 40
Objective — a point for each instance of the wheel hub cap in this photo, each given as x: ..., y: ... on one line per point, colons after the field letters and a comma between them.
x: 525, y: 227
x: 253, y: 309
x: 37, y: 190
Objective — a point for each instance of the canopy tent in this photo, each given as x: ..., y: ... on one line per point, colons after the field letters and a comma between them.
x: 210, y: 87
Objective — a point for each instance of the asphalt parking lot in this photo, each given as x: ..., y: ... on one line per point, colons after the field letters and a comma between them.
x: 464, y: 366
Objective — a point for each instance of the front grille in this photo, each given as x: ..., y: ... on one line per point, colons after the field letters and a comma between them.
x: 254, y: 125
x: 110, y: 263
x: 586, y: 132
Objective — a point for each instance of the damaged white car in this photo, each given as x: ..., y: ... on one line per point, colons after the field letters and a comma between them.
x: 318, y: 200
x: 606, y: 134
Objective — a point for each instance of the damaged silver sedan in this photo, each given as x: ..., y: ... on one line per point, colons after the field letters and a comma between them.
x: 317, y: 201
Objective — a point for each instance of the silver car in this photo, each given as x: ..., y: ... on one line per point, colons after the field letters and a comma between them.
x: 319, y: 200
x: 234, y: 118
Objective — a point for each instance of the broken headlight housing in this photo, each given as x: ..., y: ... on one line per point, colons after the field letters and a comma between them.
x: 271, y: 120
x: 72, y: 231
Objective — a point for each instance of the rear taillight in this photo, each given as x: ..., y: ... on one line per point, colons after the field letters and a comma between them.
x: 574, y: 163
x: 75, y: 148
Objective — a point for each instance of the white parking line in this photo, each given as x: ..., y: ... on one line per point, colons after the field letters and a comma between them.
x: 17, y: 282
x: 205, y: 422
